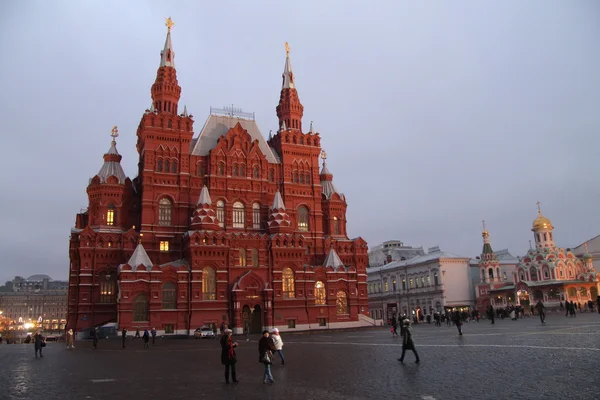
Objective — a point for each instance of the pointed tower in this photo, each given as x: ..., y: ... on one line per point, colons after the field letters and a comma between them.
x: 110, y: 191
x: 165, y: 90
x: 279, y: 220
x: 139, y: 258
x: 289, y: 110
x: 542, y: 231
x: 333, y: 203
x: 588, y: 260
x: 489, y: 265
x: 333, y: 260
x: 204, y: 217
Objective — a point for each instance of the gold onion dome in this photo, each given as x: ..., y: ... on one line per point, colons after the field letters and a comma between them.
x: 542, y: 222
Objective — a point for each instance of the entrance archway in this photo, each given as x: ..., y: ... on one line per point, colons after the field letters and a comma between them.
x: 523, y: 299
x: 256, y: 325
x: 594, y: 292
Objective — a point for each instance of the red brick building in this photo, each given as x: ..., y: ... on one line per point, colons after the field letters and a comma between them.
x: 219, y: 226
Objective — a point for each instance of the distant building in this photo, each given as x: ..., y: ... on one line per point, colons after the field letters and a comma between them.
x: 39, y: 300
x: 591, y: 247
x: 37, y: 283
x: 436, y: 281
x: 548, y: 273
x: 392, y: 250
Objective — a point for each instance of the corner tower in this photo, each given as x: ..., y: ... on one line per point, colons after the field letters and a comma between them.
x: 166, y: 90
x: 542, y: 231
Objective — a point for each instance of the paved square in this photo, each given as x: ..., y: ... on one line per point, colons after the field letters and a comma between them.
x: 511, y: 359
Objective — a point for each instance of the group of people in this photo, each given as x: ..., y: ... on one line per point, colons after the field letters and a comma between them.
x: 268, y: 344
x: 146, y: 336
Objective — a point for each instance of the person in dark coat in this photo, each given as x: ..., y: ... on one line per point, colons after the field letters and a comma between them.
x: 228, y: 357
x: 39, y: 342
x: 541, y: 310
x: 94, y: 333
x: 146, y: 339
x: 490, y: 312
x: 153, y: 333
x: 124, y: 336
x: 407, y: 342
x: 265, y: 355
x: 394, y: 326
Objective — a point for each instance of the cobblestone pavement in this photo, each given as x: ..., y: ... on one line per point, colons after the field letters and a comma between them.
x: 510, y: 359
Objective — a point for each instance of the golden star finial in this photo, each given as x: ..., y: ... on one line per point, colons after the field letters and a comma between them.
x: 114, y: 132
x: 169, y: 23
x: 323, y: 155
x: 287, y: 49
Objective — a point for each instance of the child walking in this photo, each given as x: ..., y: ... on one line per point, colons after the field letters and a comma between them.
x: 407, y: 342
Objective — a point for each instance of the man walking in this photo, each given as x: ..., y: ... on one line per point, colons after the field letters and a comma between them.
x: 541, y: 310
x: 153, y: 333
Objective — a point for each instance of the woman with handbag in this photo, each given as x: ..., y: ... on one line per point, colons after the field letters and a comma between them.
x: 228, y: 358
x: 265, y: 355
x: 40, y: 342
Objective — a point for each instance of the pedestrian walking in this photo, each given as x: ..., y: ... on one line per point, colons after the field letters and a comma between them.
x: 228, y: 356
x: 137, y: 333
x: 265, y: 355
x: 490, y: 313
x: 39, y: 343
x: 408, y: 342
x: 541, y: 310
x: 94, y: 333
x: 146, y: 339
x: 153, y: 333
x: 124, y: 336
x: 70, y: 339
x: 458, y: 322
x: 246, y: 331
x: 278, y: 343
x: 394, y: 326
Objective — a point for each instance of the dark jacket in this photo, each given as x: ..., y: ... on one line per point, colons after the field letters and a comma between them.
x: 38, y: 339
x: 265, y: 344
x: 407, y: 341
x: 226, y: 358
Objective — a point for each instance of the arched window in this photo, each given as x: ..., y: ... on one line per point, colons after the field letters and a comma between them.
x: 165, y: 210
x: 303, y: 219
x: 242, y: 253
x: 336, y: 226
x: 242, y: 170
x: 209, y: 284
x: 235, y: 170
x: 169, y: 123
x: 140, y: 308
x: 159, y: 166
x: 301, y: 177
x: 167, y: 166
x: 341, y: 301
x: 295, y: 177
x: 254, y: 255
x: 491, y: 274
x: 221, y: 213
x: 169, y: 296
x: 110, y: 215
x: 533, y: 274
x: 572, y: 292
x: 221, y: 169
x: 174, y: 167
x: 301, y: 140
x: 435, y: 278
x: 307, y: 180
x: 255, y: 172
x: 289, y: 291
x: 386, y: 286
x: 107, y: 289
x: 320, y: 295
x: 238, y: 215
x: 200, y: 169
x: 256, y: 216
x: 272, y: 175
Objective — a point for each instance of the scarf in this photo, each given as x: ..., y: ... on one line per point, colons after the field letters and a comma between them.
x: 230, y: 352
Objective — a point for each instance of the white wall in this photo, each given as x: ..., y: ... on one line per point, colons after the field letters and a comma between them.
x: 456, y: 280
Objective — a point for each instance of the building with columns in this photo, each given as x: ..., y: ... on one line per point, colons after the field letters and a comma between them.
x: 548, y: 273
x: 217, y: 226
x: 422, y: 285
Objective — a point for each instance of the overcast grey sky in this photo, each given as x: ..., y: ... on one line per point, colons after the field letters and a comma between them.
x: 435, y: 115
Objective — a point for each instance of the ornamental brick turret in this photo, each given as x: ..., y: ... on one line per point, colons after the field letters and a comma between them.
x: 289, y: 110
x: 166, y: 91
x: 204, y: 216
x: 489, y: 265
x: 333, y: 203
x: 109, y: 191
x: 279, y: 220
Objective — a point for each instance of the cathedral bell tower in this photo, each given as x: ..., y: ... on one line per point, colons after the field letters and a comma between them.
x: 542, y: 231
